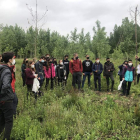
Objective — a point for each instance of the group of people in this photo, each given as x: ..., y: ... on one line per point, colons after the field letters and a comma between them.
x: 46, y: 69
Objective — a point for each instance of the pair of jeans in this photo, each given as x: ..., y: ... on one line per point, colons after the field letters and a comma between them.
x: 97, y: 77
x: 107, y: 80
x: 124, y: 86
x: 84, y: 78
x: 6, y: 118
x: 23, y: 79
x: 15, y: 103
x: 76, y: 79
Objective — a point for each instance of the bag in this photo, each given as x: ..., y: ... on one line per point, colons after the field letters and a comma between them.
x: 120, y: 85
x: 36, y: 85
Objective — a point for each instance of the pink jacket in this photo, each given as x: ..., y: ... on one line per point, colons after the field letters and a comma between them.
x: 50, y: 71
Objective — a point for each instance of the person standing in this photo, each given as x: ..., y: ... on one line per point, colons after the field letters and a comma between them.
x: 108, y: 73
x: 76, y: 70
x: 121, y: 67
x: 23, y: 68
x: 66, y: 63
x: 128, y: 77
x: 97, y: 69
x: 87, y: 70
x: 6, y: 95
x: 138, y: 73
x: 0, y: 58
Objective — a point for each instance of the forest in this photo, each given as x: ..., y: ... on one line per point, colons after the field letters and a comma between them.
x: 120, y: 43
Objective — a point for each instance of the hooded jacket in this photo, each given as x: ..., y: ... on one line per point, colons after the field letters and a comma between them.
x: 108, y: 66
x: 6, y: 91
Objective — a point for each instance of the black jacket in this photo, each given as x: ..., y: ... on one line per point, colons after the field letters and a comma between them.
x: 87, y: 66
x: 39, y: 69
x: 108, y: 66
x: 61, y: 72
x: 6, y: 92
x: 66, y: 63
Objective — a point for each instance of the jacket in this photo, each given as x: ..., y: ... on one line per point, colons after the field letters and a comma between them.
x: 108, y: 66
x: 23, y: 68
x: 6, y: 92
x: 66, y: 63
x: 50, y: 72
x: 61, y: 72
x: 75, y: 66
x: 29, y: 76
x: 87, y: 66
x: 36, y: 85
x: 128, y: 73
x: 97, y: 67
x: 39, y: 70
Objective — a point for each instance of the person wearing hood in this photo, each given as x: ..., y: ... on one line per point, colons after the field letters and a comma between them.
x: 97, y: 69
x: 121, y: 67
x: 61, y: 73
x: 87, y: 70
x: 108, y: 73
x: 6, y: 95
x: 128, y: 77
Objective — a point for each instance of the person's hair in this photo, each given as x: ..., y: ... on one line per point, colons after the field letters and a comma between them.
x: 46, y: 54
x: 42, y: 57
x: 107, y: 58
x: 24, y: 61
x: 6, y: 56
x: 130, y: 60
x: 29, y: 65
x: 124, y: 62
x: 0, y: 55
x: 97, y: 58
x: 66, y: 55
x: 74, y: 54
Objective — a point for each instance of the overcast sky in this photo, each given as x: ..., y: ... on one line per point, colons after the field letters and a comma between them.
x: 64, y: 15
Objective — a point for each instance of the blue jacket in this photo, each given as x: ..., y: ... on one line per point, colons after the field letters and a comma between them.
x: 97, y: 67
x: 128, y: 73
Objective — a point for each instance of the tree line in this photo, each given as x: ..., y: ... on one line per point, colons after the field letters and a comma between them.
x: 119, y: 44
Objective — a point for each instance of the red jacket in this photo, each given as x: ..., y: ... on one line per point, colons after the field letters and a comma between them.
x: 75, y: 66
x: 13, y: 77
x: 29, y: 76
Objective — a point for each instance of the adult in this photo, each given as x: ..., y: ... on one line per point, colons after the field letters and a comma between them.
x: 6, y: 95
x: 0, y: 58
x: 66, y: 63
x: 30, y: 75
x: 108, y: 73
x: 23, y: 68
x: 76, y: 70
x: 87, y: 70
x: 138, y: 73
x: 121, y: 67
x: 97, y: 69
x: 128, y: 77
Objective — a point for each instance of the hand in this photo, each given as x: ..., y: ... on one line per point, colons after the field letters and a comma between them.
x: 96, y: 71
x: 39, y: 78
x: 108, y: 70
x: 36, y: 75
x: 136, y: 57
x: 123, y: 79
x: 91, y: 73
x: 83, y: 73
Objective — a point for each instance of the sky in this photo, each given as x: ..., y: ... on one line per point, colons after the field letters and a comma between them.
x: 65, y: 15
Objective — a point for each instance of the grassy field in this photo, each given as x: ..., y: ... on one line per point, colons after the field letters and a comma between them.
x: 60, y: 115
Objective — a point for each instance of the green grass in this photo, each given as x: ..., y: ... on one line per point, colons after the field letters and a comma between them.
x: 60, y: 115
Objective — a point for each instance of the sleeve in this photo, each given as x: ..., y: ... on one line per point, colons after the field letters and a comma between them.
x: 65, y: 72
x: 37, y: 68
x: 29, y: 74
x: 93, y: 68
x: 101, y: 69
x: 138, y: 59
x: 70, y: 67
x: 83, y: 67
x: 112, y: 68
x: 56, y: 72
x: 120, y: 67
x: 124, y: 71
x: 91, y: 65
x: 6, y: 83
x: 104, y: 70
